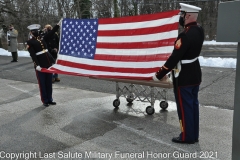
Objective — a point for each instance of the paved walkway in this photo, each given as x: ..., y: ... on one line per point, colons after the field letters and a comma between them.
x: 85, y: 125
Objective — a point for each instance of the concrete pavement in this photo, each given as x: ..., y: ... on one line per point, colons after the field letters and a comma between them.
x: 85, y: 125
x: 217, y: 87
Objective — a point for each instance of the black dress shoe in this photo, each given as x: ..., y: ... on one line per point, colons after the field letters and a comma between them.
x: 196, y: 140
x: 45, y: 104
x: 57, y: 80
x: 178, y: 140
x: 52, y: 103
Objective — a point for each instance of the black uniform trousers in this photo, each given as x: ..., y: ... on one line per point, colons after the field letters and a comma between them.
x: 14, y: 56
x: 188, y: 112
x: 45, y: 86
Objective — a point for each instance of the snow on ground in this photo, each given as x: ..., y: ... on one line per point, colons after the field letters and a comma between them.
x: 219, y: 43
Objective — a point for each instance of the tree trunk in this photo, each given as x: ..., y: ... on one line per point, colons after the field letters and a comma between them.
x: 1, y: 46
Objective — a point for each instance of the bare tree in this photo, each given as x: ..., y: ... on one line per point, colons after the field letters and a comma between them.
x: 115, y: 8
x: 103, y: 8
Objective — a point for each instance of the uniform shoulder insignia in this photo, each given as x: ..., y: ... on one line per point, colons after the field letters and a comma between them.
x: 178, y: 44
x: 186, y: 29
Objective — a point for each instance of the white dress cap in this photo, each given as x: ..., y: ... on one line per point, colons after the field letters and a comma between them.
x: 189, y: 8
x: 34, y: 26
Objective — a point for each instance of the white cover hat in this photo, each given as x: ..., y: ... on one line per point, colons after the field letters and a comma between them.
x: 34, y: 26
x: 189, y: 8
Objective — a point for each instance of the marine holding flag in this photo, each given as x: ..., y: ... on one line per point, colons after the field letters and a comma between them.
x: 41, y: 57
x: 186, y: 71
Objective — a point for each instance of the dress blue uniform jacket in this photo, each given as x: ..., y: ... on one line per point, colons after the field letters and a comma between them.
x: 187, y: 46
x: 44, y: 60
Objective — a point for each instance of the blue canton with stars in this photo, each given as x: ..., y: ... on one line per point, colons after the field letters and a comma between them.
x: 79, y: 37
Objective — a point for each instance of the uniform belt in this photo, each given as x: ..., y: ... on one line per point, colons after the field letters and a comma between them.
x: 189, y: 61
x: 178, y: 67
x: 41, y: 52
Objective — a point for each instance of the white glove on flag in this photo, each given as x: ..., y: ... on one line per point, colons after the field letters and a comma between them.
x: 155, y: 78
x: 38, y: 68
x: 60, y: 22
x: 164, y: 79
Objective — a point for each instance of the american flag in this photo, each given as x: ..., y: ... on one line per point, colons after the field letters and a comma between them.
x: 132, y: 47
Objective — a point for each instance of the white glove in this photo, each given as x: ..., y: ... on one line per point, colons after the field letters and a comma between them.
x: 164, y: 79
x: 38, y: 68
x: 60, y: 22
x: 8, y: 34
x: 155, y: 78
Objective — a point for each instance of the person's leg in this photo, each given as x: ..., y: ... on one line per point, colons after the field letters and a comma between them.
x: 181, y: 118
x: 12, y: 57
x: 196, y: 112
x: 177, y: 103
x: 56, y: 78
x: 49, y: 86
x: 15, y: 56
x: 53, y: 77
x: 49, y: 89
x: 184, y: 101
x: 41, y: 76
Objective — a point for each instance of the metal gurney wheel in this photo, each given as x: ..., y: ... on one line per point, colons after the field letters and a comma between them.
x: 130, y: 98
x: 116, y: 103
x: 163, y: 105
x: 150, y: 110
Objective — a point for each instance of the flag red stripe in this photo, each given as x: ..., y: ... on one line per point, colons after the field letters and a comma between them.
x: 137, y: 45
x: 107, y: 69
x: 140, y: 31
x: 138, y: 58
x: 141, y: 18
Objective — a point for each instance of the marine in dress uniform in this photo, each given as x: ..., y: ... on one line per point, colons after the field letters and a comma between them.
x: 42, y: 59
x: 187, y: 75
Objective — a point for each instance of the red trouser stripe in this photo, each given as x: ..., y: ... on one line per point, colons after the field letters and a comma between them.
x: 182, y: 113
x: 39, y: 85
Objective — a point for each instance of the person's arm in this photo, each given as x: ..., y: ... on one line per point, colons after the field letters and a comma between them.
x: 57, y: 40
x: 32, y: 54
x: 13, y: 33
x: 51, y: 33
x: 181, y: 46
